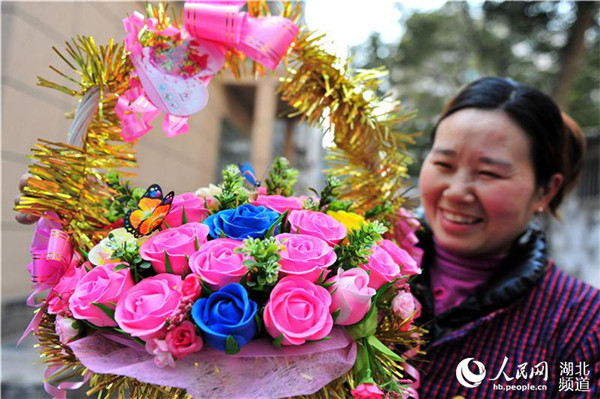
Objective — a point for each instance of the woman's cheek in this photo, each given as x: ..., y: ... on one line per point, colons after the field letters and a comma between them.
x: 429, y: 184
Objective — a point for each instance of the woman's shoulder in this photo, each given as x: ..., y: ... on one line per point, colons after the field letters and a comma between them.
x: 575, y: 306
x: 568, y: 289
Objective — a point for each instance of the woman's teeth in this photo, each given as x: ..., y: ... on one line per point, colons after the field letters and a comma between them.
x: 453, y: 217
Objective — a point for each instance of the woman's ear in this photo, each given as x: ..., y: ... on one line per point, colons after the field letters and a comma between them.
x: 547, y: 192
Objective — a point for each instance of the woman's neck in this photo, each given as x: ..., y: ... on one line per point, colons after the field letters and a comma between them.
x: 454, y: 277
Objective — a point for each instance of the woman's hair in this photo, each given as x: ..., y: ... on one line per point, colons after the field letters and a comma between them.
x: 557, y: 142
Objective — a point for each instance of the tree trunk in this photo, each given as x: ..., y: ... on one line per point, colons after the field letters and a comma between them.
x: 571, y: 56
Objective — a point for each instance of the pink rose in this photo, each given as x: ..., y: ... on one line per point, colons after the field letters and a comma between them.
x: 182, y: 340
x: 66, y: 328
x: 403, y: 304
x: 101, y: 285
x: 177, y: 243
x: 298, y: 310
x: 160, y: 350
x: 408, y: 265
x: 144, y: 309
x: 404, y: 234
x: 196, y: 210
x: 190, y: 288
x: 279, y: 203
x: 367, y: 391
x: 218, y: 264
x: 61, y: 293
x: 381, y: 266
x: 351, y: 295
x: 317, y: 224
x: 305, y: 256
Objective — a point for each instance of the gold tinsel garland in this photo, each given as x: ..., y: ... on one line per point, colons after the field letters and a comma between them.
x: 369, y: 156
x: 69, y: 179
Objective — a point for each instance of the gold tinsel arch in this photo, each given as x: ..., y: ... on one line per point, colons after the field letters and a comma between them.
x: 370, y: 156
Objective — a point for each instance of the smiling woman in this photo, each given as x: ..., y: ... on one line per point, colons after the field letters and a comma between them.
x: 501, y: 154
x: 479, y: 159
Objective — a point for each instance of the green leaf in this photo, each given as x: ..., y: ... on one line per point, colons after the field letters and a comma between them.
x: 110, y: 312
x: 259, y: 323
x: 366, y: 326
x: 205, y: 289
x: 379, y: 346
x: 327, y: 285
x: 321, y: 277
x: 231, y: 345
x: 120, y: 267
x: 336, y: 314
x: 271, y: 231
x: 277, y: 342
x: 183, y: 216
x: 166, y: 224
x: 382, y: 290
x: 90, y: 325
x: 145, y: 265
x: 196, y: 243
x: 327, y: 338
x: 168, y: 264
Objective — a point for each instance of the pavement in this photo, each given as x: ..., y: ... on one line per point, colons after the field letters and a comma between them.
x: 21, y: 372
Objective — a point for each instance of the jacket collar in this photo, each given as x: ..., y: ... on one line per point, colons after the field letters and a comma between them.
x: 518, y: 273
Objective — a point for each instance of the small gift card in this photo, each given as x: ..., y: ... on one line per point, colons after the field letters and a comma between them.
x: 175, y: 73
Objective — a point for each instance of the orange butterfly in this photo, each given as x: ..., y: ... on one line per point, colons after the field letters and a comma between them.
x: 150, y: 212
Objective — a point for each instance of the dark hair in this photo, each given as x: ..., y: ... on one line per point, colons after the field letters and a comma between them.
x: 557, y: 143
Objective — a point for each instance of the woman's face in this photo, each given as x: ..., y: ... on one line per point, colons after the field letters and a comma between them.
x: 478, y: 183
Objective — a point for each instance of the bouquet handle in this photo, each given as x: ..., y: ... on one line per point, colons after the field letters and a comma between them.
x: 83, y: 116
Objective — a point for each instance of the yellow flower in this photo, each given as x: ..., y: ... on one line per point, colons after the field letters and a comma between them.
x: 351, y: 220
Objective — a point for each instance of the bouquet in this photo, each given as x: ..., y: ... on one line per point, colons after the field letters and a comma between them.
x: 231, y: 269
x: 237, y: 290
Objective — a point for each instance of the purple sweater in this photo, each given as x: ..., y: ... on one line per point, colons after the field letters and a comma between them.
x: 455, y: 277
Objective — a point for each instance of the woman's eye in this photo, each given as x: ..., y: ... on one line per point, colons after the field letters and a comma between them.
x: 489, y: 174
x: 442, y: 165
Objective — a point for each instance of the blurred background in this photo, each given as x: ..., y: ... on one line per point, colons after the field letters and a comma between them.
x: 431, y: 50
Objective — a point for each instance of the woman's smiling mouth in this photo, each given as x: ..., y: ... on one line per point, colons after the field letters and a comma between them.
x: 459, y: 218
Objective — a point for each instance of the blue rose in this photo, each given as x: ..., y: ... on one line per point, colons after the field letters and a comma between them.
x: 246, y: 221
x: 226, y: 313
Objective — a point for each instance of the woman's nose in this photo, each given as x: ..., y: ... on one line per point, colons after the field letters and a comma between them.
x: 459, y: 190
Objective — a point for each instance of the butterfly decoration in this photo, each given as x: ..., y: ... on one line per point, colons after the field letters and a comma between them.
x: 149, y: 213
x: 248, y: 172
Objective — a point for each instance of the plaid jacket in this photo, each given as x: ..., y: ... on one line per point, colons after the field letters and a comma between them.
x: 534, y: 330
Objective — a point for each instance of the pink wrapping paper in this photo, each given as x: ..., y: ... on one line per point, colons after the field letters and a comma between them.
x: 259, y: 370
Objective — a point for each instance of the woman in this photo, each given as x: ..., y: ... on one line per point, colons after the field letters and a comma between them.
x: 501, y: 154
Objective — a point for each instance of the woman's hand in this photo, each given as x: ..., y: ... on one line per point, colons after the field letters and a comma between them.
x: 24, y: 218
